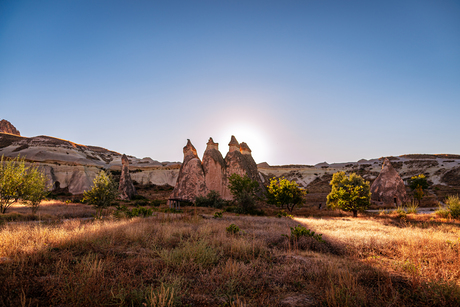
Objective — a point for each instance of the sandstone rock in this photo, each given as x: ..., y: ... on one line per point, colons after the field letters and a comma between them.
x: 7, y: 127
x: 191, y: 181
x: 214, y: 168
x: 388, y: 189
x: 239, y: 161
x: 126, y: 187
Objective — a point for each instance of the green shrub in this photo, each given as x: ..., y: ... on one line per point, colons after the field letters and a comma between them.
x: 300, y: 231
x: 212, y: 200
x: 453, y: 205
x: 401, y: 212
x: 412, y: 208
x: 157, y: 202
x: 233, y: 229
x: 218, y: 215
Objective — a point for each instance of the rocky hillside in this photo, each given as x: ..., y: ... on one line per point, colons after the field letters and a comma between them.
x: 74, y: 166
x: 442, y: 171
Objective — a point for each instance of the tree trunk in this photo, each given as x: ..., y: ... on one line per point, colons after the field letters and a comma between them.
x: 355, y: 213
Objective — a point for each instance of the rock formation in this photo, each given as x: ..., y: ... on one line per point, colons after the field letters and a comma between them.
x: 7, y: 127
x: 191, y: 181
x: 198, y: 179
x: 214, y: 167
x: 126, y: 187
x: 388, y: 189
x: 239, y: 161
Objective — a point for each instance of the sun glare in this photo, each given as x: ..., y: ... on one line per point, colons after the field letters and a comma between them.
x: 251, y: 135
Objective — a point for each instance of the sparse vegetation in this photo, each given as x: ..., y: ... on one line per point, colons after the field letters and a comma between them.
x: 181, y: 260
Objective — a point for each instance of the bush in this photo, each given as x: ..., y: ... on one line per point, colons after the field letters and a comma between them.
x: 103, y: 192
x: 453, y: 205
x: 212, y: 200
x: 218, y: 215
x: 157, y: 202
x: 300, y: 231
x: 123, y: 211
x: 233, y: 229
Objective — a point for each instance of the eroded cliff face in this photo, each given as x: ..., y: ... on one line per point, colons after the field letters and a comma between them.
x: 74, y: 166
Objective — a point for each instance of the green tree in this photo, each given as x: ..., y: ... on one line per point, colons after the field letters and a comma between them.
x: 283, y: 192
x: 103, y: 192
x: 418, y: 185
x: 349, y: 193
x: 244, y: 191
x: 35, y: 188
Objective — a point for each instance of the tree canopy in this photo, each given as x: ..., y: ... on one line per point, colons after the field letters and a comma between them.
x: 103, y: 192
x: 349, y: 193
x: 244, y: 191
x: 19, y: 181
x: 418, y: 185
x: 282, y: 192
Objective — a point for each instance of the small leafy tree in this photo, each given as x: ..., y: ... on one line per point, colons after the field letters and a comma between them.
x: 244, y: 191
x: 418, y: 185
x: 349, y: 193
x: 283, y: 192
x: 103, y: 192
x: 18, y: 181
x: 36, y: 188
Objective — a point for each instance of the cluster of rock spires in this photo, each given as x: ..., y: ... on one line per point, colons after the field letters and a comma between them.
x: 7, y: 127
x: 197, y: 178
x: 388, y: 188
x: 126, y: 187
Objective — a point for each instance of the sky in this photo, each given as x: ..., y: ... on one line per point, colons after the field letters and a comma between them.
x: 301, y: 82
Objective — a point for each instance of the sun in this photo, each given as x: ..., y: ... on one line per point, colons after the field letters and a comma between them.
x: 251, y: 135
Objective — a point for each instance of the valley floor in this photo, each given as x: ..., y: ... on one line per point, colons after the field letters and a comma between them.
x: 193, y: 260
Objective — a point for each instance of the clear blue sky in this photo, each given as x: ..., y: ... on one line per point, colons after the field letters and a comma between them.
x: 299, y: 81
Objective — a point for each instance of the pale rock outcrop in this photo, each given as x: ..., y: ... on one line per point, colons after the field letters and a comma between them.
x: 214, y: 167
x: 191, y: 181
x: 7, y: 127
x: 126, y: 187
x: 388, y: 189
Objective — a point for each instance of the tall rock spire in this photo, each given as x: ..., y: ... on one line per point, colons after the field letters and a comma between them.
x: 190, y: 182
x: 214, y: 167
x: 126, y: 187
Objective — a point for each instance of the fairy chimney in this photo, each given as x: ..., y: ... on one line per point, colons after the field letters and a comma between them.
x: 388, y: 189
x: 190, y: 182
x: 213, y: 167
x: 126, y: 187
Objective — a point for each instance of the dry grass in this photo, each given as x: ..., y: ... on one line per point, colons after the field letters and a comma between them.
x: 185, y: 260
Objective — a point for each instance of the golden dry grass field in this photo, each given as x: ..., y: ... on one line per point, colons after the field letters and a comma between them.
x: 191, y: 259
